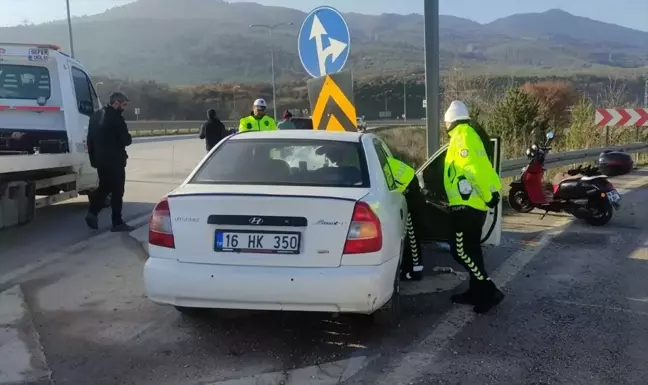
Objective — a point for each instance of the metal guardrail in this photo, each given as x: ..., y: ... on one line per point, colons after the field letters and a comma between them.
x: 513, y: 167
x: 510, y: 167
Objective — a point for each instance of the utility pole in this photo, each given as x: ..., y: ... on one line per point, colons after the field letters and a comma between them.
x: 431, y: 16
x: 646, y: 91
x: 405, y: 99
x: 69, y: 20
x: 271, y: 28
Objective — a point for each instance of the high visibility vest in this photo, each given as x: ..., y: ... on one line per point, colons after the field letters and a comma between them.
x: 250, y: 123
x: 469, y: 177
x: 402, y: 174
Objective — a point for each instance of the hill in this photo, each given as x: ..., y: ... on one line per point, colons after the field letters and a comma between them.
x: 209, y: 41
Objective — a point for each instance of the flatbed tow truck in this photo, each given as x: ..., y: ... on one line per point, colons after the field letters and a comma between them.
x: 46, y: 100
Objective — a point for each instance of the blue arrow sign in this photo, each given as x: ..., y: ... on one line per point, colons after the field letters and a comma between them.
x: 324, y: 42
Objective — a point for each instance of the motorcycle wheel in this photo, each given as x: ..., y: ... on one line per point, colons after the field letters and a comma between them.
x: 600, y: 213
x: 519, y: 200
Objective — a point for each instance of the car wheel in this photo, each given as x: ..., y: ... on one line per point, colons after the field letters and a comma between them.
x: 388, y: 316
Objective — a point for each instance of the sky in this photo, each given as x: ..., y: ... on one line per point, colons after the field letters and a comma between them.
x: 628, y: 13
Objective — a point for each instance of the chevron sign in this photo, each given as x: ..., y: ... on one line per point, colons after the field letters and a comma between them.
x: 622, y: 117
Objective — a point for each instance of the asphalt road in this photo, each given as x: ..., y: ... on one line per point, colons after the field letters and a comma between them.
x: 574, y: 311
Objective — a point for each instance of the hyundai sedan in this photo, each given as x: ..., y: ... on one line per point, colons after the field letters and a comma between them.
x: 282, y: 220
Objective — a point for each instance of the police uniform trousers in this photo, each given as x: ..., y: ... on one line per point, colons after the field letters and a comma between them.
x: 466, y: 233
x: 412, y: 265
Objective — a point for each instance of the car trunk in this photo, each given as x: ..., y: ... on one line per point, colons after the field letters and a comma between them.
x: 261, y: 225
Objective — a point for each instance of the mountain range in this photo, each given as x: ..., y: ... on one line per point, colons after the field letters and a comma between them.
x: 185, y: 42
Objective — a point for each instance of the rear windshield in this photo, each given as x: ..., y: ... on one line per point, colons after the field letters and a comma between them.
x: 24, y: 82
x: 291, y: 162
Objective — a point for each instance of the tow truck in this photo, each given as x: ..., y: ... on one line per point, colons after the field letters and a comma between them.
x: 46, y: 101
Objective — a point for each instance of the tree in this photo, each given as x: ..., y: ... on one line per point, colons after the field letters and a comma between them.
x: 555, y: 98
x: 517, y: 120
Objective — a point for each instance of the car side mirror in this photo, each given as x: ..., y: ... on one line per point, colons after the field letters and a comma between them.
x: 86, y: 107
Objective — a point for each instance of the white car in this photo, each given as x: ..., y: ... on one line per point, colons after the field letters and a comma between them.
x: 284, y: 220
x: 269, y: 221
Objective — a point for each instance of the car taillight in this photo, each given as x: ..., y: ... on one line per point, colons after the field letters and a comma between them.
x: 365, y: 233
x: 160, y: 229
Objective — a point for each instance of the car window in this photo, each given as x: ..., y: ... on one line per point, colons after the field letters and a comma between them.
x: 384, y: 164
x: 24, y: 82
x: 295, y: 162
x: 84, y: 90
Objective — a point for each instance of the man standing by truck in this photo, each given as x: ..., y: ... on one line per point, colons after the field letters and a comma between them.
x: 108, y: 138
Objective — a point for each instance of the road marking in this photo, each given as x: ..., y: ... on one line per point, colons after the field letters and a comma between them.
x: 602, y: 307
x: 325, y: 374
x: 21, y: 354
x: 14, y: 275
x: 426, y: 352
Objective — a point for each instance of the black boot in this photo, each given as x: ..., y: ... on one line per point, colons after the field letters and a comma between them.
x: 489, y: 296
x: 469, y: 297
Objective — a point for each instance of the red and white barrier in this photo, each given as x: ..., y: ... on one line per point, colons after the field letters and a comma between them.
x: 622, y: 117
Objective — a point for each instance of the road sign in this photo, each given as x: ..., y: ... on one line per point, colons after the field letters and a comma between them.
x: 324, y: 42
x: 331, y: 99
x: 622, y: 117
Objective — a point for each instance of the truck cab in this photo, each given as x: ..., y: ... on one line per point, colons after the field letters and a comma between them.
x: 46, y: 101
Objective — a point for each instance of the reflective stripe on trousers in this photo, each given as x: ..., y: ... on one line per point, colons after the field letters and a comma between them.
x: 413, y: 245
x: 466, y: 259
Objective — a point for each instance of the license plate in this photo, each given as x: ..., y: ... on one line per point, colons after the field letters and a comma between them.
x: 614, y: 196
x: 273, y: 242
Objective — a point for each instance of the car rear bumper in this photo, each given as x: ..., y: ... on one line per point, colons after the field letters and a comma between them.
x: 345, y: 289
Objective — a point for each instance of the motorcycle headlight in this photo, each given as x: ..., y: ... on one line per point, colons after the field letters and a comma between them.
x: 528, y: 151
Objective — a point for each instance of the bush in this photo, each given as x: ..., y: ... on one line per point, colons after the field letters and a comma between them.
x: 517, y: 120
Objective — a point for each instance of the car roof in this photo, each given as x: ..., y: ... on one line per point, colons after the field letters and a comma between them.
x: 340, y: 136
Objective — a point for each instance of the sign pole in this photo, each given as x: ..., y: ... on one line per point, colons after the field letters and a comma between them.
x: 431, y: 15
x: 69, y: 20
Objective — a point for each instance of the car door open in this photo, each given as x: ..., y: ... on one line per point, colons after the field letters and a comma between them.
x: 437, y: 210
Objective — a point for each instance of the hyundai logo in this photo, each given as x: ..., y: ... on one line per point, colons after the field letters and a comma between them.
x: 256, y: 221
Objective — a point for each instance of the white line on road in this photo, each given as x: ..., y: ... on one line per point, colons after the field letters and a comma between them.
x: 21, y: 354
x: 602, y: 307
x: 325, y: 374
x: 426, y: 352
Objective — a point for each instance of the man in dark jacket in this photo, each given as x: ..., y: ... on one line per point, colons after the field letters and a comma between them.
x: 108, y: 138
x: 213, y: 130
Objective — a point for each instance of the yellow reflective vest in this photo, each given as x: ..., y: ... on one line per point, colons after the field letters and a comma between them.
x: 251, y: 123
x: 469, y: 177
x: 402, y: 174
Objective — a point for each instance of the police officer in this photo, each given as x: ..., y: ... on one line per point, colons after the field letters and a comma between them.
x: 472, y: 186
x: 257, y: 120
x: 407, y: 183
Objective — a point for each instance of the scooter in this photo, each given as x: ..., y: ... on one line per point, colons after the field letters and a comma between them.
x: 582, y: 192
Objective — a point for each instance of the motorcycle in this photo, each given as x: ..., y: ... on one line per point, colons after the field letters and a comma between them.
x: 582, y: 192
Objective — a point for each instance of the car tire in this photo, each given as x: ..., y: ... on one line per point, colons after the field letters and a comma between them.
x: 389, y: 315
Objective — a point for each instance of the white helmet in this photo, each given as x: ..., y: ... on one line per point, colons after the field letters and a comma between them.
x: 456, y: 111
x: 259, y: 103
